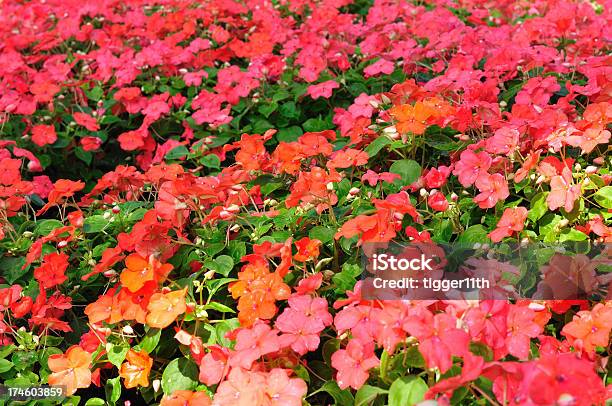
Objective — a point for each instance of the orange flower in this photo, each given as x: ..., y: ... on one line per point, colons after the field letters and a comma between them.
x: 186, y: 398
x: 590, y: 328
x: 135, y: 371
x: 70, y: 369
x: 258, y: 290
x: 164, y: 308
x: 411, y: 119
x: 140, y: 271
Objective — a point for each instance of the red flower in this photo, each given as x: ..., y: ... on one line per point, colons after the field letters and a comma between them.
x: 86, y: 121
x: 513, y: 220
x: 52, y: 271
x: 43, y: 135
x: 438, y: 202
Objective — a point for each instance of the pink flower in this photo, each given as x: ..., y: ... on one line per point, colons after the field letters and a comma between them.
x: 493, y: 188
x: 253, y: 343
x: 436, y: 177
x: 373, y: 178
x: 353, y: 364
x: 322, y: 89
x: 438, y: 335
x: 378, y: 67
x: 521, y: 329
x: 470, y: 166
x: 213, y: 365
x: 284, y: 391
x: 86, y: 121
x: 437, y: 201
x: 43, y: 135
x: 302, y: 322
x: 504, y: 141
x: 512, y: 220
x: 563, y: 192
x: 241, y: 388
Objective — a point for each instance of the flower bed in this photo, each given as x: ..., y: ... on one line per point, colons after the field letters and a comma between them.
x: 186, y: 190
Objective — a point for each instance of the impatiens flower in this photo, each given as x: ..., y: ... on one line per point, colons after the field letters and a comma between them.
x: 471, y: 165
x: 521, y: 329
x: 86, y: 121
x: 591, y: 137
x: 493, y: 188
x: 307, y: 249
x: 353, y: 364
x: 70, y: 369
x: 437, y: 201
x: 186, y: 398
x: 302, y: 322
x: 136, y: 368
x: 90, y: 143
x: 52, y: 272
x: 411, y: 119
x: 284, y: 391
x: 132, y: 140
x: 373, y: 178
x: 164, y: 308
x: 436, y: 177
x: 563, y: 191
x: 513, y: 220
x: 43, y: 135
x: 252, y: 343
x: 590, y: 328
x: 378, y: 67
x: 323, y: 89
x: 504, y: 141
x: 140, y: 271
x: 213, y: 366
x: 348, y: 159
x: 439, y: 337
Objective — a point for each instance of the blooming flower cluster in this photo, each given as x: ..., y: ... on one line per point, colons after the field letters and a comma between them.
x: 186, y: 188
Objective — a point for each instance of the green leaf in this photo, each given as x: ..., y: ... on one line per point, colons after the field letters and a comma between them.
x: 44, y: 227
x: 604, y: 197
x: 408, y: 169
x: 11, y: 268
x: 475, y: 233
x: 83, y: 155
x: 219, y: 307
x: 366, y: 395
x: 113, y: 390
x: 223, y: 264
x: 289, y: 110
x: 407, y: 390
x: 117, y: 352
x: 180, y: 374
x: 375, y: 146
x: 570, y: 234
x: 5, y: 365
x: 150, y: 340
x: 322, y: 233
x: 211, y: 161
x: 95, y: 224
x: 346, y: 279
x: 538, y: 206
x: 289, y: 134
x: 95, y: 402
x: 341, y: 396
x: 267, y: 109
x: 177, y: 152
